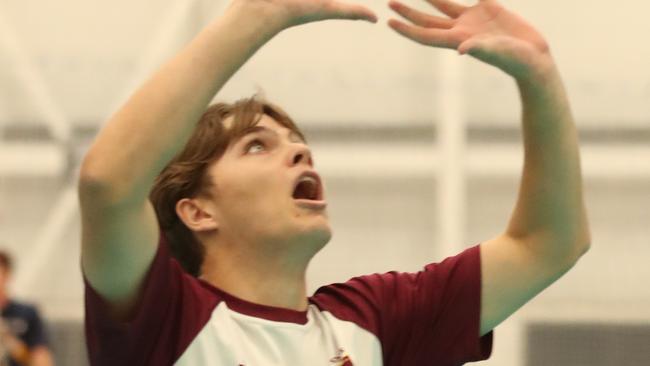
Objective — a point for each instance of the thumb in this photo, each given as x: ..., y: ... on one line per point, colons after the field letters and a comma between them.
x: 475, y: 45
x: 490, y: 49
x: 506, y: 53
x: 485, y: 49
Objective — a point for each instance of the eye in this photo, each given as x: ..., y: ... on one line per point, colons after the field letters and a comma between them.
x: 255, y: 146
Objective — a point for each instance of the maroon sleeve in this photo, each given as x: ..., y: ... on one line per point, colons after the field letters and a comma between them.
x: 171, y: 309
x: 431, y: 317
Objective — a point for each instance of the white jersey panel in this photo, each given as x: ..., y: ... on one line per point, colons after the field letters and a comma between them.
x: 230, y: 338
x: 360, y: 345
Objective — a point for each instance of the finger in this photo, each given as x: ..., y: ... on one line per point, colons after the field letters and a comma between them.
x: 340, y: 10
x: 420, y: 18
x: 426, y: 36
x: 448, y: 7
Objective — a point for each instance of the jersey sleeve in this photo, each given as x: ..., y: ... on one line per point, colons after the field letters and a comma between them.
x: 171, y: 309
x: 431, y: 317
x: 36, y: 334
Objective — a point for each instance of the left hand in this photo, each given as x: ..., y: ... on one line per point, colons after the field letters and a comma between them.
x: 14, y: 346
x: 486, y: 31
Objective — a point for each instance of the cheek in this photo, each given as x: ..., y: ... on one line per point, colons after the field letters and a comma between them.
x: 262, y: 194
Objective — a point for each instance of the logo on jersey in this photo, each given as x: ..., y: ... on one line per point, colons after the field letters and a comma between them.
x: 341, y: 359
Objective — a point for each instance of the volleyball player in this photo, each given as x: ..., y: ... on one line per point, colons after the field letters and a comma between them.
x: 199, y: 222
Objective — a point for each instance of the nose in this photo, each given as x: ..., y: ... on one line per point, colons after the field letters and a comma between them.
x: 301, y: 155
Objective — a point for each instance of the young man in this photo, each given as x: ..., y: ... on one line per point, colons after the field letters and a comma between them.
x: 240, y: 205
x: 22, y: 333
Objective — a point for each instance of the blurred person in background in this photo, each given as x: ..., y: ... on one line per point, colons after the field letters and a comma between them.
x: 23, y: 340
x: 242, y: 212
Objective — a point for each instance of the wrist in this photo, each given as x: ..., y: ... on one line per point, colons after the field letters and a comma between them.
x: 268, y: 19
x: 542, y: 82
x: 540, y: 70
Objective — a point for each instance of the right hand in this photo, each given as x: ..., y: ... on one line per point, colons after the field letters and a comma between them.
x: 486, y: 31
x: 296, y: 12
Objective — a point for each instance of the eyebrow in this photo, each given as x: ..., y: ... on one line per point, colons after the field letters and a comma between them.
x: 262, y: 129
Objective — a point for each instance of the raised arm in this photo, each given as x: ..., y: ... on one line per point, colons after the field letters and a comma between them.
x: 548, y: 230
x: 119, y: 229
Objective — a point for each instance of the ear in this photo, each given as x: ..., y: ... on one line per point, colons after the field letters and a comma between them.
x: 196, y: 214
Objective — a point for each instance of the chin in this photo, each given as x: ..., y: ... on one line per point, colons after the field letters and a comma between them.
x: 323, y: 235
x: 316, y: 237
x: 319, y: 240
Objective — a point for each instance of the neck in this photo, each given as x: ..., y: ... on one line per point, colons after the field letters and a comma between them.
x: 272, y: 279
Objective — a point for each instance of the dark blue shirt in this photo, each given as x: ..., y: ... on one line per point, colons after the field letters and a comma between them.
x: 25, y: 323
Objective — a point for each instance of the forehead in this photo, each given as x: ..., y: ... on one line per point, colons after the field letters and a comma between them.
x: 265, y: 123
x: 268, y: 122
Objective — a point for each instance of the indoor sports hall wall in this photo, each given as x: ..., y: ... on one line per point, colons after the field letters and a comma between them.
x: 419, y: 148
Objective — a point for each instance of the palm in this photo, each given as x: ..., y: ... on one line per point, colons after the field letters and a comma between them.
x: 487, y: 31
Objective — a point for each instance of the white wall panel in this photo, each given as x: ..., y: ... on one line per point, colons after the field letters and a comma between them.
x: 615, y: 269
x: 334, y: 72
x: 602, y: 52
x: 86, y: 51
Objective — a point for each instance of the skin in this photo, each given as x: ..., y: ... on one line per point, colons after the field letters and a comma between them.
x: 250, y: 224
x: 548, y: 230
x: 252, y: 232
x: 119, y: 229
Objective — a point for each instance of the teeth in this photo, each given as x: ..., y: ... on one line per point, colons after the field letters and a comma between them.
x: 308, y: 179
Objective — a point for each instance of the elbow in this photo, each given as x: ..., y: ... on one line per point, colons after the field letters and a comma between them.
x: 90, y: 179
x: 94, y: 174
x: 582, y: 248
x: 93, y: 187
x: 97, y: 185
x: 583, y: 242
x: 577, y: 249
x: 575, y: 244
x: 109, y: 181
x: 560, y: 253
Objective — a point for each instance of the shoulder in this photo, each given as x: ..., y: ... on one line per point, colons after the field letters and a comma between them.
x: 172, y: 308
x: 462, y: 267
x: 20, y: 308
x: 377, y: 291
x: 398, y: 306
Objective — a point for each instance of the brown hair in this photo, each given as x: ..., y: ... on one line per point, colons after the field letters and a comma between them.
x: 185, y: 176
x: 5, y: 260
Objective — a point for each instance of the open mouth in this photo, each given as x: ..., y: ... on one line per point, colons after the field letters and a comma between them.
x: 308, y: 187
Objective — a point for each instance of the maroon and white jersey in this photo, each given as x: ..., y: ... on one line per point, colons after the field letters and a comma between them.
x: 395, y: 319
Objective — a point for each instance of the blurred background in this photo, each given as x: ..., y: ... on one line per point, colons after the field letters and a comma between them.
x: 420, y: 150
